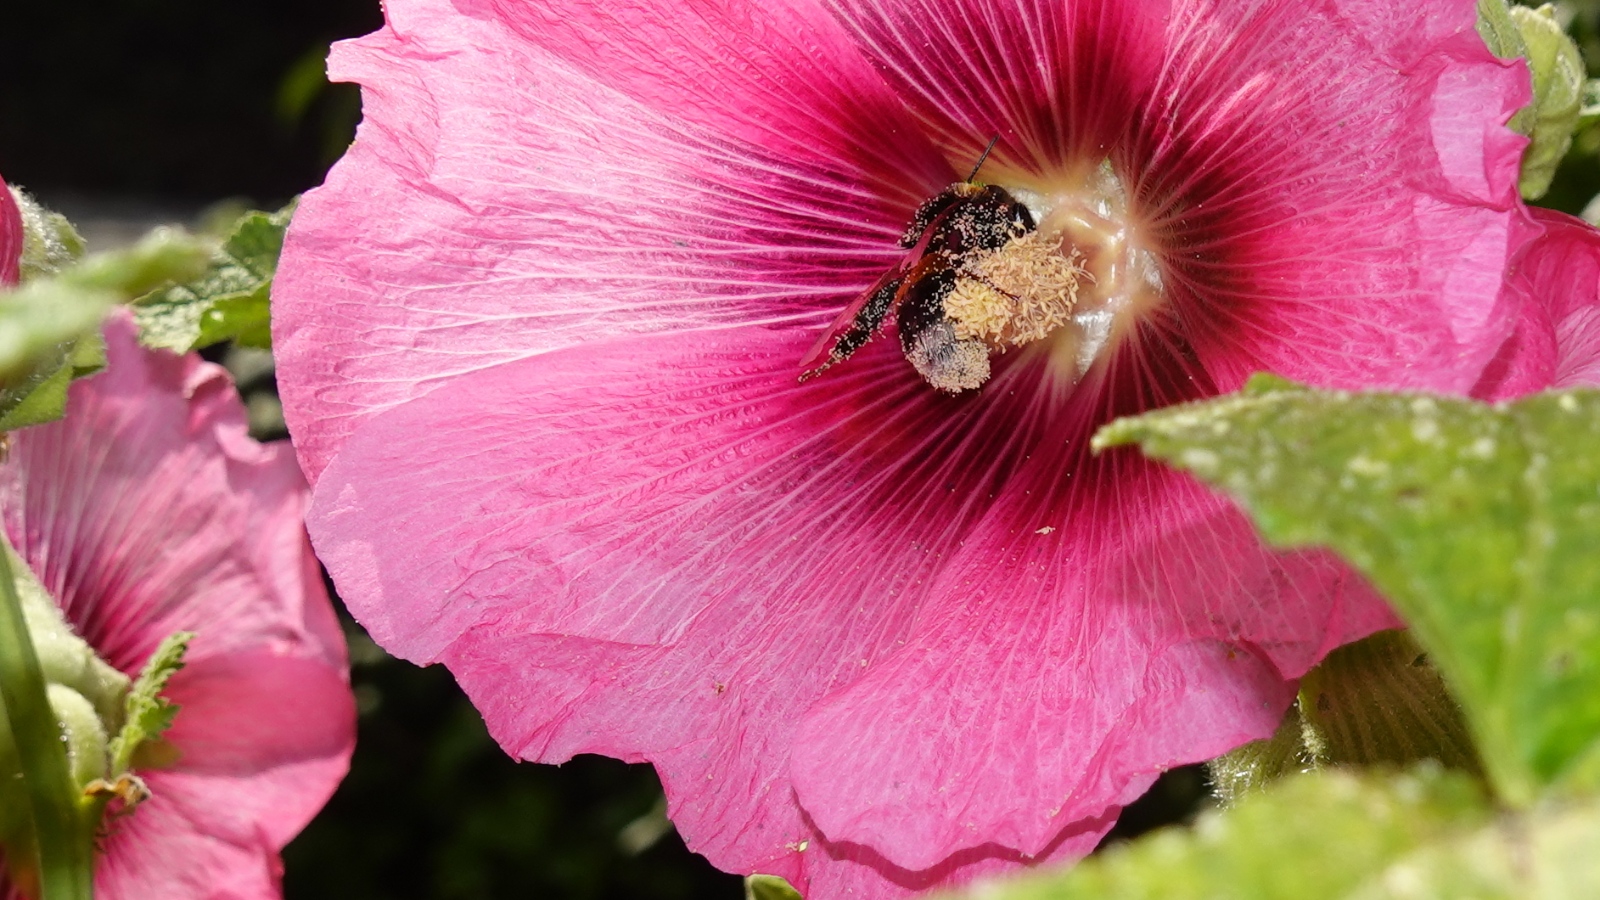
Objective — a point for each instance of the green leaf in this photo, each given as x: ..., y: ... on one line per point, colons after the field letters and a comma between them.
x: 1479, y: 523
x: 229, y: 301
x: 1342, y: 835
x: 40, y: 397
x: 1312, y: 837
x: 49, y: 325
x: 149, y: 714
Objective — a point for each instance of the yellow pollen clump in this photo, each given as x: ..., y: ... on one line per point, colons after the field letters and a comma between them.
x: 1015, y: 295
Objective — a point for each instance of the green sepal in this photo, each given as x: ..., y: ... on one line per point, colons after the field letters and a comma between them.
x: 83, y: 733
x: 1379, y: 701
x: 1499, y: 31
x: 1478, y: 522
x: 1375, y: 702
x: 1256, y: 765
x: 769, y: 887
x: 229, y: 301
x: 1560, y: 82
x: 148, y: 714
x: 49, y: 242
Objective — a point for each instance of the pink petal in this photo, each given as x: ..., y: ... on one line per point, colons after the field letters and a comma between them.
x: 1578, y: 337
x: 519, y: 217
x: 1362, y: 266
x: 269, y: 731
x: 175, y: 849
x: 1056, y: 670
x: 1080, y: 640
x: 11, y: 237
x: 1556, y: 282
x: 1054, y: 80
x: 758, y: 543
x: 1560, y: 273
x: 149, y: 510
x: 626, y: 480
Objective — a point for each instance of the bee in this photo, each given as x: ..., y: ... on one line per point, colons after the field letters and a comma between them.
x: 961, y: 223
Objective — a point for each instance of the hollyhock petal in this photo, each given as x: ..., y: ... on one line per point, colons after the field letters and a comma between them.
x: 624, y: 481
x: 1052, y: 79
x: 174, y: 849
x: 11, y: 237
x: 1126, y: 643
x: 269, y: 730
x: 1578, y: 337
x: 149, y: 510
x: 1557, y: 279
x: 578, y: 188
x: 85, y: 525
x: 1238, y: 136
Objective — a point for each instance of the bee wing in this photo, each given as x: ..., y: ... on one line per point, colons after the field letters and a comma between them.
x: 854, y: 325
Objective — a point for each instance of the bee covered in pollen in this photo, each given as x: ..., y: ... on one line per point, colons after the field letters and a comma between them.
x: 979, y: 279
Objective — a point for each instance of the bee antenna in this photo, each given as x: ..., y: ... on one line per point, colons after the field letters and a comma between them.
x: 983, y: 156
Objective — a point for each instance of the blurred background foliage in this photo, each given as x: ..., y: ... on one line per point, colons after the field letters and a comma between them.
x: 134, y: 111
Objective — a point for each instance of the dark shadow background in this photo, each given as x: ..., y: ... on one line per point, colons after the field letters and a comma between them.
x: 176, y: 104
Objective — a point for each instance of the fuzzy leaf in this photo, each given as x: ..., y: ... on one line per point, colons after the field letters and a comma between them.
x: 47, y: 325
x: 1312, y: 837
x: 1479, y: 523
x: 1352, y: 836
x: 148, y: 713
x: 229, y: 301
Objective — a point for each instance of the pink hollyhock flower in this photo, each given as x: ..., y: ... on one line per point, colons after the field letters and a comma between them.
x: 148, y: 510
x: 541, y: 338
